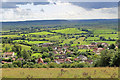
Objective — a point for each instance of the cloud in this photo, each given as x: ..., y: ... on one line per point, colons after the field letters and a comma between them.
x: 55, y: 10
x: 96, y: 5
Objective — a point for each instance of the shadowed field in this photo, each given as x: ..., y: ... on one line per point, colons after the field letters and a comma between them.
x: 106, y: 72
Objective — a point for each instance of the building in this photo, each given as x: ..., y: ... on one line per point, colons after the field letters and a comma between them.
x: 82, y: 57
x: 40, y: 60
x: 8, y: 54
x: 98, y: 50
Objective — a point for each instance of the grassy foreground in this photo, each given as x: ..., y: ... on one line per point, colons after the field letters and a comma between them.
x: 105, y: 72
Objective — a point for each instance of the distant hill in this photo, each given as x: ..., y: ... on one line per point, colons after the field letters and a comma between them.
x: 70, y: 23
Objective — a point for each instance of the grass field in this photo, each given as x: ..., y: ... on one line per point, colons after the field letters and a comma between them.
x: 31, y: 42
x: 69, y: 31
x: 36, y: 54
x: 93, y: 38
x: 9, y: 46
x: 103, y: 31
x: 41, y: 33
x: 103, y: 72
x: 9, y: 36
x: 112, y: 36
x: 68, y: 40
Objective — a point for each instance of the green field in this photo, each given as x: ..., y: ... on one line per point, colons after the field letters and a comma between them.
x: 41, y: 33
x: 36, y: 54
x: 31, y: 42
x: 106, y: 72
x: 93, y: 38
x: 69, y: 31
x: 9, y: 36
x: 112, y: 36
x: 9, y: 47
x: 103, y: 31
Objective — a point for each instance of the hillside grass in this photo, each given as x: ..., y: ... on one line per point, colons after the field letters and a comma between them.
x: 100, y: 72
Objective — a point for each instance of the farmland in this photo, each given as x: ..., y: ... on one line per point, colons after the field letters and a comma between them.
x: 73, y: 44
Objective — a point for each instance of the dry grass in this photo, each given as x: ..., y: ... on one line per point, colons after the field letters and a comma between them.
x: 105, y: 72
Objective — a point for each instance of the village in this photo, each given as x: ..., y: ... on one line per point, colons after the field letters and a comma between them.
x: 61, y: 54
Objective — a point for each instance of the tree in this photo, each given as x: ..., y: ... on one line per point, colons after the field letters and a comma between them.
x: 5, y: 65
x: 26, y: 55
x: 44, y: 49
x: 18, y: 63
x: 45, y: 54
x: 52, y: 65
x: 100, y: 46
x: 71, y: 42
x: 112, y: 46
x: 115, y: 61
x: 50, y: 48
x: 105, y: 58
x: 81, y: 65
x: 47, y: 60
x: 78, y: 42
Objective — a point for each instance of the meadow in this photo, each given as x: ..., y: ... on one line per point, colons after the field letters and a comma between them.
x: 103, y: 72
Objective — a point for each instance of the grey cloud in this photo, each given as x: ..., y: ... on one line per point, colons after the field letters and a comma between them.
x: 13, y: 4
x: 95, y: 5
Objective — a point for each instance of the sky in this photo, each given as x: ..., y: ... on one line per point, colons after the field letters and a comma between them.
x: 57, y: 9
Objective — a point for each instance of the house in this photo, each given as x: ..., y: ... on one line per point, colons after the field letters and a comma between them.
x: 54, y: 48
x: 98, y: 50
x: 58, y: 61
x: 76, y: 59
x: 91, y: 46
x: 13, y: 59
x: 20, y: 59
x: 89, y: 61
x: 46, y: 44
x: 8, y: 54
x: 55, y: 52
x: 59, y: 48
x: 61, y: 56
x: 82, y: 57
x: 104, y: 44
x: 68, y: 60
x: 83, y: 47
x: 40, y: 60
x: 65, y: 47
x: 93, y: 43
x: 3, y: 62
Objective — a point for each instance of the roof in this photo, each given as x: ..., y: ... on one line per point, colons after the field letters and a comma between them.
x: 59, y: 60
x: 76, y: 59
x: 9, y: 53
x: 40, y: 60
x: 55, y: 52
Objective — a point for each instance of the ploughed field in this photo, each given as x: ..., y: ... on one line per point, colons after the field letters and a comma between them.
x: 103, y: 72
